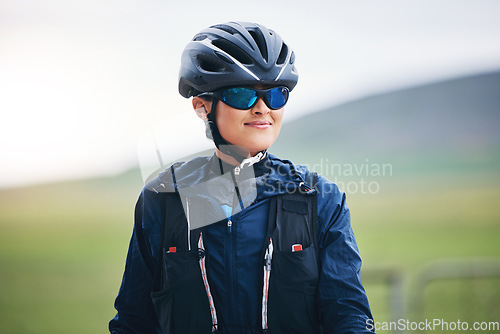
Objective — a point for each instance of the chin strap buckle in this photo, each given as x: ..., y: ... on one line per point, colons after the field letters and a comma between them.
x: 252, y: 160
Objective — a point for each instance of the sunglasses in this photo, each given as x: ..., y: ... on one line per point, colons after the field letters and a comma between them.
x: 245, y: 98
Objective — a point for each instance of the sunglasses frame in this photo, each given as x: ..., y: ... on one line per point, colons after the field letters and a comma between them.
x: 219, y: 94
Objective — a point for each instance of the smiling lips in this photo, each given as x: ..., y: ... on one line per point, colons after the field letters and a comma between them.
x: 259, y: 124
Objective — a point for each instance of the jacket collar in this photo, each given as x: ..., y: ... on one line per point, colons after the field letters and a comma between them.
x: 272, y: 176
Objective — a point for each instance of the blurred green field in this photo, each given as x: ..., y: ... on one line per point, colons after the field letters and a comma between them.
x: 62, y: 252
x: 417, y: 221
x: 63, y: 247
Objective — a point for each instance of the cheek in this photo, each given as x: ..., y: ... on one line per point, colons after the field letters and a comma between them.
x: 278, y: 118
x: 227, y: 130
x: 228, y: 121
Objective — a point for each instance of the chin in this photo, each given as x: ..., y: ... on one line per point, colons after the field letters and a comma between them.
x: 259, y: 145
x: 258, y: 148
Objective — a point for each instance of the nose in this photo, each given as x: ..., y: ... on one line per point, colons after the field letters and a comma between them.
x: 260, y: 108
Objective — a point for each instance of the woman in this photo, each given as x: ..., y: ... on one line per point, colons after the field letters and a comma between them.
x: 241, y: 242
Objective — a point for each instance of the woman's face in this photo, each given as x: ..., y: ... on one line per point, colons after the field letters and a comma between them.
x: 254, y: 129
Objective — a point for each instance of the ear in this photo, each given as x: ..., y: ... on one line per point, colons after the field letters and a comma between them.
x: 201, y: 107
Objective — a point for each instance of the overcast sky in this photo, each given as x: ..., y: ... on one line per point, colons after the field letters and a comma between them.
x: 83, y: 83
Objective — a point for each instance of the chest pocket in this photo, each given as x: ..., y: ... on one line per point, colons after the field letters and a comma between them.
x: 183, y: 307
x: 292, y: 224
x: 179, y: 294
x: 295, y: 270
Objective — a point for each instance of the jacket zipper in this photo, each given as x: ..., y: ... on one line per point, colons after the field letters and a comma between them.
x: 230, y: 256
x: 230, y: 274
x: 189, y: 225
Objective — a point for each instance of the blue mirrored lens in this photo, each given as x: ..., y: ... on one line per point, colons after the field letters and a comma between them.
x: 277, y: 97
x: 240, y: 98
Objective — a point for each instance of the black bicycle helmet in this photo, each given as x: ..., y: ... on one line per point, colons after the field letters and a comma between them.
x: 235, y: 54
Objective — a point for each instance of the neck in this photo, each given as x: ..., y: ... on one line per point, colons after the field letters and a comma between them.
x: 226, y: 158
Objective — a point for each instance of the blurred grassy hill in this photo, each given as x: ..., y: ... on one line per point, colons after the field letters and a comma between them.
x: 442, y: 143
x: 443, y: 126
x: 63, y: 246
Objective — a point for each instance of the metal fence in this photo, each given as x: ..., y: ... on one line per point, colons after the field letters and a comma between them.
x: 440, y: 292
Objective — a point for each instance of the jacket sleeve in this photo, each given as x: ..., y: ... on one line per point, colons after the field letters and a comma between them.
x: 135, y: 309
x: 342, y: 301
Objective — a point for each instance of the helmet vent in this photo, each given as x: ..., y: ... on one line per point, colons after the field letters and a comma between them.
x: 225, y: 28
x: 199, y: 37
x: 211, y: 64
x: 232, y: 31
x: 235, y: 51
x: 283, y: 53
x: 224, y: 57
x: 260, y: 41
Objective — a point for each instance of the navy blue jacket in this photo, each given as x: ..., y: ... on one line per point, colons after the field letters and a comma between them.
x: 234, y: 269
